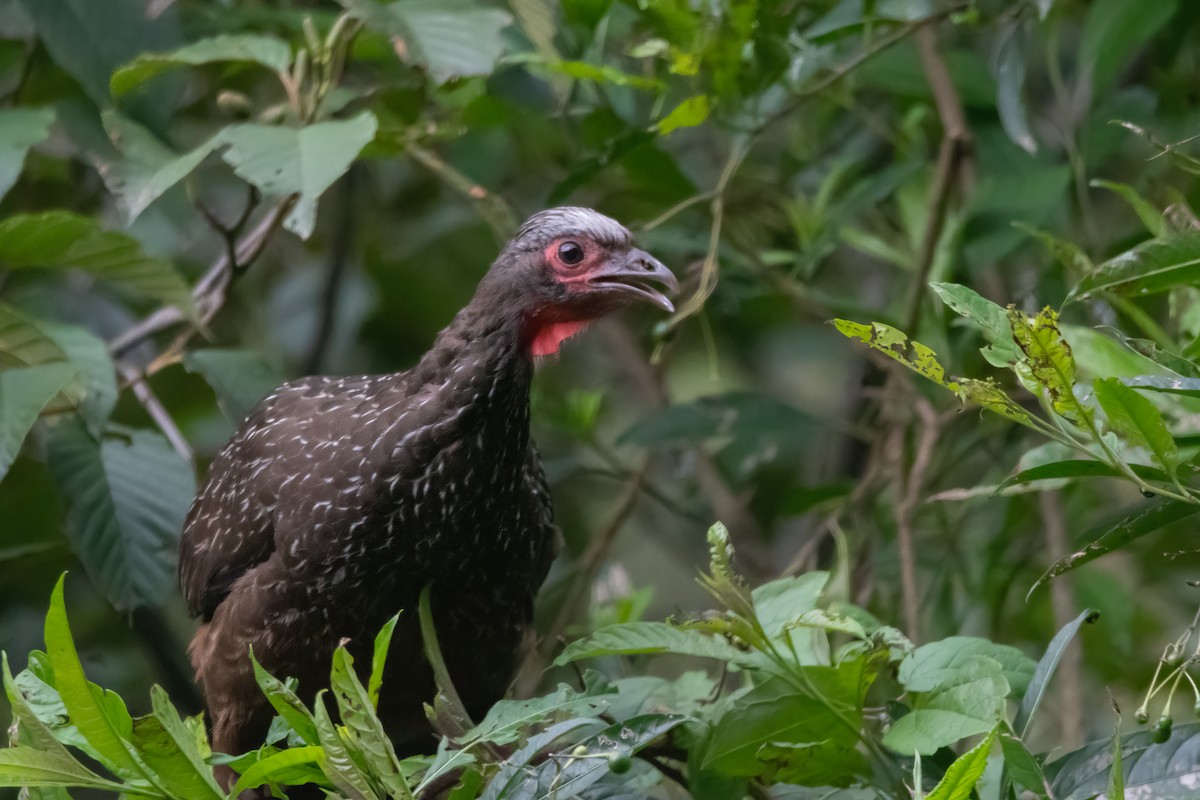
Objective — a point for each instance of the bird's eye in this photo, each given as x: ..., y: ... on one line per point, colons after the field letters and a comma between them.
x: 570, y: 253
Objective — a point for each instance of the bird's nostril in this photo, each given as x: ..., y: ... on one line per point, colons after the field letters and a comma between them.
x: 646, y: 265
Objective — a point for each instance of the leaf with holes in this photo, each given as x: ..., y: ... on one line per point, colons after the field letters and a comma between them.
x: 126, y: 498
x: 991, y: 318
x: 267, y: 51
x: 1153, y: 266
x: 1048, y: 357
x: 897, y: 346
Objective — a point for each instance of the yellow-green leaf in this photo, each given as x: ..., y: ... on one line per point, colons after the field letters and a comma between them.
x: 897, y: 346
x: 1049, y: 360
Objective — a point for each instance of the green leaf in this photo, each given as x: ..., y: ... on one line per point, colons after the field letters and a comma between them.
x: 1048, y: 358
x: 1110, y: 536
x: 23, y: 395
x: 278, y: 768
x: 1153, y: 266
x: 379, y: 654
x: 1136, y: 418
x: 597, y: 73
x: 688, y: 114
x: 1025, y: 769
x: 628, y: 737
x: 1165, y: 771
x: 167, y: 747
x: 240, y: 378
x: 94, y: 391
x: 268, y: 51
x: 635, y: 638
x: 508, y: 719
x: 285, y: 702
x: 1150, y: 216
x: 185, y: 737
x: 297, y: 161
x: 935, y: 665
x: 1009, y: 68
x: 98, y: 714
x: 26, y: 767
x: 449, y: 38
x: 127, y: 499
x: 1079, y: 468
x: 63, y: 240
x: 24, y: 341
x: 993, y: 319
x: 1188, y: 387
x: 1116, y: 780
x: 20, y: 129
x: 146, y: 168
x: 1112, y: 30
x: 959, y: 781
x: 969, y: 702
x: 339, y: 762
x: 448, y: 706
x: 897, y: 346
x: 33, y: 731
x: 364, y: 727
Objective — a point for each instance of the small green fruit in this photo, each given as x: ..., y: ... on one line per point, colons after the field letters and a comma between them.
x: 1162, y: 731
x: 619, y: 763
x: 1141, y: 716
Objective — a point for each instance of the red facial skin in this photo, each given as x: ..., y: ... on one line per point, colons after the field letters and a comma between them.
x: 553, y: 332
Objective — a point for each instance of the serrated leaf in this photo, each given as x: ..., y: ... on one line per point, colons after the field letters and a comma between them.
x: 688, y: 114
x: 449, y: 38
x: 1108, y: 536
x: 64, y: 240
x: 270, y: 52
x: 636, y: 638
x: 959, y: 781
x: 23, y: 395
x: 303, y: 161
x: 337, y: 762
x: 897, y: 346
x: 364, y: 727
x: 1153, y: 266
x: 1136, y: 418
x: 20, y: 129
x: 126, y: 503
x: 991, y: 318
x: 1150, y: 216
x: 240, y: 378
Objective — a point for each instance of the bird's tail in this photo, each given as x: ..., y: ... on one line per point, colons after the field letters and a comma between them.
x: 200, y: 651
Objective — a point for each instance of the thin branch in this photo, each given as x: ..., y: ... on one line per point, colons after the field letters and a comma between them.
x: 492, y: 207
x: 1062, y: 603
x: 158, y: 413
x: 908, y: 497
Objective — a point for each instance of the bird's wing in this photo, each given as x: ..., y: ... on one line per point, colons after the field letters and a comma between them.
x: 549, y: 536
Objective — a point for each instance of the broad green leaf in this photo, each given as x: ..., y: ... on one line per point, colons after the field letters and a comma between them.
x: 146, y: 168
x: 508, y: 719
x: 1048, y: 358
x: 688, y: 114
x: 1188, y: 387
x: 127, y: 498
x: 1153, y: 266
x: 1110, y: 536
x: 1136, y: 418
x: 23, y: 395
x: 268, y: 51
x: 812, y: 763
x: 1046, y: 667
x: 1112, y: 30
x: 1165, y: 771
x: 993, y: 319
x: 98, y: 714
x: 278, y: 767
x: 33, y: 731
x: 94, y: 391
x: 938, y: 664
x: 182, y: 773
x: 959, y: 781
x: 991, y: 397
x: 626, y: 737
x: 190, y: 739
x: 1079, y: 468
x: 26, y: 767
x: 20, y: 129
x: 379, y: 654
x: 514, y: 770
x: 635, y: 638
x: 1023, y: 765
x: 89, y: 40
x: 240, y: 378
x: 363, y: 726
x: 24, y: 341
x: 303, y: 161
x: 64, y: 240
x: 1150, y: 216
x: 1009, y: 68
x: 36, y: 685
x: 1160, y: 360
x: 285, y: 702
x: 897, y: 346
x: 967, y: 700
x: 448, y: 38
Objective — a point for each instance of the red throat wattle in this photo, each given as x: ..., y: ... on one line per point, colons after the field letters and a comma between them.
x: 549, y: 336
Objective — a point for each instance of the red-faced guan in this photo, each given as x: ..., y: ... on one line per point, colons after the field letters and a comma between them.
x: 339, y: 499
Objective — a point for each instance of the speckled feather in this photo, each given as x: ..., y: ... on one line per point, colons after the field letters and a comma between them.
x: 339, y: 499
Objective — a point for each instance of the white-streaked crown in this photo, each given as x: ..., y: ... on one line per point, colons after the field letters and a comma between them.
x: 553, y: 223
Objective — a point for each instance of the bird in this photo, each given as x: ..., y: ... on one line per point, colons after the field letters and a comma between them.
x: 338, y: 499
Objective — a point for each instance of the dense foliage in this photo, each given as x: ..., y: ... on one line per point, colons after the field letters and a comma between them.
x: 199, y: 199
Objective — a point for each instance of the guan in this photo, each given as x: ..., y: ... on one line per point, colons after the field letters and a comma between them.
x: 340, y: 498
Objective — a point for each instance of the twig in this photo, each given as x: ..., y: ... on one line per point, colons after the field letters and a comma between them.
x: 493, y: 208
x: 908, y: 496
x: 158, y: 413
x: 953, y: 153
x: 1062, y: 605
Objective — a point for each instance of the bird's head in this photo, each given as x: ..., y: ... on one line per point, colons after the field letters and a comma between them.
x: 569, y: 266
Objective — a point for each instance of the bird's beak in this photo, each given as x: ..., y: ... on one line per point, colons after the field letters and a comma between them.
x: 635, y: 273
